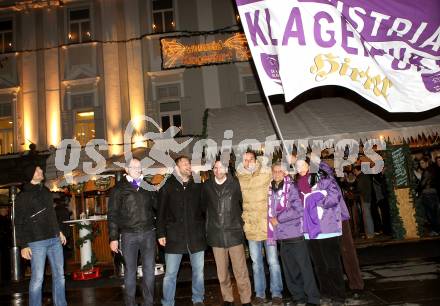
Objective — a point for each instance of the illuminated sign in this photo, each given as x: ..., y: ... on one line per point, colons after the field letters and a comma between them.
x: 200, y: 50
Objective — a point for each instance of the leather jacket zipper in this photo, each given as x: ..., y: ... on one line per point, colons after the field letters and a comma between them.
x: 38, y: 212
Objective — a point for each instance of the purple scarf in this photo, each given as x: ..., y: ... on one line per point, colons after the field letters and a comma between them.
x: 311, y: 220
x: 303, y: 186
x: 136, y: 183
x: 276, y: 206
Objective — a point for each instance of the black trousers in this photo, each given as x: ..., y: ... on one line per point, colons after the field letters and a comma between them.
x: 381, y: 221
x: 431, y: 202
x: 132, y: 243
x: 298, y: 272
x: 326, y: 257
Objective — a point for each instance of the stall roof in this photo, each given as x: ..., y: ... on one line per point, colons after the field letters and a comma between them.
x: 326, y: 118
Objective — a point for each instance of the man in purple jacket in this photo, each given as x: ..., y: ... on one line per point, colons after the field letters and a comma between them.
x: 286, y: 226
x: 325, y: 209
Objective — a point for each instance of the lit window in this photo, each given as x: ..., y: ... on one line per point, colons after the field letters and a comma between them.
x: 6, y: 36
x: 163, y: 16
x: 84, y: 127
x: 6, y: 129
x: 79, y: 25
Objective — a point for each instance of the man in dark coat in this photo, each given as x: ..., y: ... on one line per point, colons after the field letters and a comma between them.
x: 222, y: 197
x: 181, y: 230
x: 39, y: 236
x: 428, y: 193
x: 364, y: 188
x: 131, y: 213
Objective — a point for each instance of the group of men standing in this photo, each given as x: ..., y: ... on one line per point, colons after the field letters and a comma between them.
x: 191, y: 216
x: 259, y: 205
x: 222, y: 213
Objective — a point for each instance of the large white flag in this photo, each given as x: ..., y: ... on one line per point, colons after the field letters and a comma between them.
x: 387, y: 51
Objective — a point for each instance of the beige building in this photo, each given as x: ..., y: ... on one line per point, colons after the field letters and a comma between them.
x: 84, y: 69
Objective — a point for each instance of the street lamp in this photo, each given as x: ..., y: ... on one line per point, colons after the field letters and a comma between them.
x: 15, y: 250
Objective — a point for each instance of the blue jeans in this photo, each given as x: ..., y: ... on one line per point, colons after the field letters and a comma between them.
x: 131, y: 244
x: 172, y: 264
x: 54, y: 251
x: 276, y: 283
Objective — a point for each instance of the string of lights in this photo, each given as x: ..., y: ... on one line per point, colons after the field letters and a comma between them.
x: 174, y: 34
x: 138, y: 142
x: 137, y: 38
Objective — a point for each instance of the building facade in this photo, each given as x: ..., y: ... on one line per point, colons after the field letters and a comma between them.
x: 83, y: 69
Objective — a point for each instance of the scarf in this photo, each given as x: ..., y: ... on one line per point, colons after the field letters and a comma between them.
x: 135, y: 183
x: 304, y: 186
x: 277, y: 202
x: 311, y: 217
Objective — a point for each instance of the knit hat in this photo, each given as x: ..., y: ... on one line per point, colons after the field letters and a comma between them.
x: 28, y: 172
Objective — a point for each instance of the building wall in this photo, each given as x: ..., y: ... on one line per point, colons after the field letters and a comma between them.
x: 117, y: 81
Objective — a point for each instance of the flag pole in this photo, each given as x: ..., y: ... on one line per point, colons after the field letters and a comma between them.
x: 277, y: 127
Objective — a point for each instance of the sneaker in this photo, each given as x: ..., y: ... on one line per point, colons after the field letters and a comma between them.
x: 258, y: 301
x: 277, y: 301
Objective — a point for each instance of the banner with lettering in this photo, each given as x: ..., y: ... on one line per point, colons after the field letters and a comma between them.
x: 387, y: 51
x: 186, y: 51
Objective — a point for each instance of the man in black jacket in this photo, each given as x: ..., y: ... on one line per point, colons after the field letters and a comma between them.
x: 181, y: 230
x: 364, y: 188
x: 131, y: 213
x: 223, y: 200
x: 428, y: 194
x: 39, y: 236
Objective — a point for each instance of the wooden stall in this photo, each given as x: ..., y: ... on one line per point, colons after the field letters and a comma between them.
x: 91, y: 199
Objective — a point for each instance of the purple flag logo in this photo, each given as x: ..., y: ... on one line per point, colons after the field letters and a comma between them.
x: 432, y: 81
x: 271, y: 66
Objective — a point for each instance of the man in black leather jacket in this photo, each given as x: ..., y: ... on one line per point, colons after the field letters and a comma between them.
x: 181, y: 230
x: 222, y: 196
x: 131, y: 213
x: 39, y: 236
